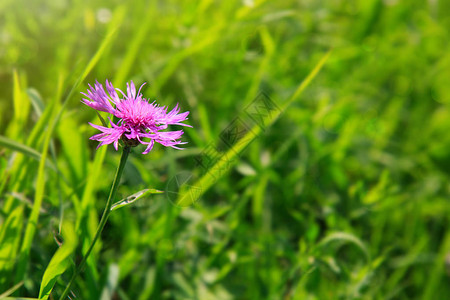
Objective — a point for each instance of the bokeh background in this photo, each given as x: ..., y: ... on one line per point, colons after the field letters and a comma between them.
x: 344, y: 196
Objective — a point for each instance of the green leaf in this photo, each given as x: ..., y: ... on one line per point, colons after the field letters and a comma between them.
x: 134, y: 197
x: 21, y: 104
x: 60, y: 261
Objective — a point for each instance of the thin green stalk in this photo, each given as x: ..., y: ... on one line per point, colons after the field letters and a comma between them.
x: 101, y: 225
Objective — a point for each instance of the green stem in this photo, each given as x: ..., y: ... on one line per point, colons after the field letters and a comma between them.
x: 101, y: 225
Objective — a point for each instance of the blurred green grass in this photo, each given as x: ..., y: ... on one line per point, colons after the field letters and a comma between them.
x: 345, y: 196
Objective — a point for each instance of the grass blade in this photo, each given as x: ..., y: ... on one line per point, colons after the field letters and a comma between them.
x: 16, y: 146
x: 10, y: 233
x: 34, y: 216
x: 111, y: 282
x: 189, y: 194
x: 60, y: 261
x: 347, y: 238
x: 36, y: 101
x: 11, y: 290
x: 21, y: 107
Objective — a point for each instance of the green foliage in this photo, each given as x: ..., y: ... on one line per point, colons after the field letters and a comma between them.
x: 307, y: 175
x: 60, y: 261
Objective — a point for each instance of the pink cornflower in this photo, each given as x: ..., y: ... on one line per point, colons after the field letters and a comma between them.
x: 138, y: 119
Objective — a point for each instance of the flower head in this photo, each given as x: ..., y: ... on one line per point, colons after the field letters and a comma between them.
x: 138, y: 119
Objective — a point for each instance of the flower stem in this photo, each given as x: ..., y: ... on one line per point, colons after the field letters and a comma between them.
x: 101, y: 225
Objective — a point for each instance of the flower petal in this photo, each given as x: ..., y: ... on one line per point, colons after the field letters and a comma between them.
x: 131, y: 90
x: 167, y: 138
x: 109, y: 134
x: 98, y: 99
x: 149, y: 146
x: 173, y: 117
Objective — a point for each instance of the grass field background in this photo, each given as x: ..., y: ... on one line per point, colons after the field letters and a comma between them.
x: 336, y: 188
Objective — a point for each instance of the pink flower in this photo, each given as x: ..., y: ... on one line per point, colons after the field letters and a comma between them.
x: 138, y: 119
